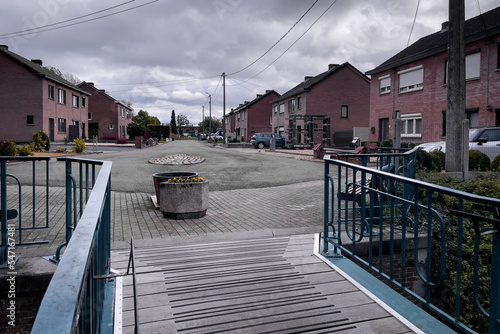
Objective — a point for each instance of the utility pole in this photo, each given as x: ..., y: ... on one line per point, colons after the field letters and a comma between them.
x: 210, y: 116
x: 224, y: 107
x: 455, y: 111
x: 203, y: 119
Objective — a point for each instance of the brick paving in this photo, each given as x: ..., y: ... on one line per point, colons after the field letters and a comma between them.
x: 289, y: 209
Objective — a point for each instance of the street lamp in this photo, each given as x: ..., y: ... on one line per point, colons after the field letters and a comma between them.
x: 210, y: 115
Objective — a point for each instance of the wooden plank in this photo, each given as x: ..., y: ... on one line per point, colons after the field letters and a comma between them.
x: 262, y: 285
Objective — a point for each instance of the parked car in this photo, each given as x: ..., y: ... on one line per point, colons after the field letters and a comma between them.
x: 486, y: 140
x: 261, y: 140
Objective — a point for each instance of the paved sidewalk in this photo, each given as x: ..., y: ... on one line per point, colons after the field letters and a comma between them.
x: 289, y: 209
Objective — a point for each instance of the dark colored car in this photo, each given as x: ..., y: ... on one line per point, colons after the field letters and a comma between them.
x: 261, y: 140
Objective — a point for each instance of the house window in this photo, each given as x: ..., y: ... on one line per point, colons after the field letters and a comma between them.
x: 51, y: 92
x: 385, y: 84
x: 282, y: 108
x: 291, y: 106
x: 344, y: 112
x: 412, y: 125
x: 61, y: 93
x: 299, y: 102
x: 411, y: 79
x: 83, y: 102
x: 498, y: 56
x: 30, y: 120
x: 472, y: 68
x: 89, y: 116
x: 76, y: 101
x: 123, y: 112
x: 111, y: 127
x: 61, y: 125
x: 238, y: 116
x: 275, y: 109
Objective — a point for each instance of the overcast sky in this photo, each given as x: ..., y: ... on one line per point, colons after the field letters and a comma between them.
x: 165, y: 55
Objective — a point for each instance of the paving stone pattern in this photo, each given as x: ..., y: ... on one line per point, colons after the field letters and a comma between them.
x: 296, y: 207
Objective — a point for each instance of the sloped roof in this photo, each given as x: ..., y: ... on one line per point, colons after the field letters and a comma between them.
x: 476, y: 28
x: 39, y: 70
x: 248, y: 104
x: 308, y: 84
x: 90, y: 85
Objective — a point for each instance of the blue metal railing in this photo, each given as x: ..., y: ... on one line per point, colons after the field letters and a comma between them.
x: 74, y: 201
x: 11, y: 211
x: 73, y: 302
x: 394, y: 225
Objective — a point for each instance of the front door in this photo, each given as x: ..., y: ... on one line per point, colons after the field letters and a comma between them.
x: 51, y: 129
x: 384, y: 129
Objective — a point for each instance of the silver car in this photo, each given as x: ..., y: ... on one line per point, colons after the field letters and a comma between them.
x: 486, y: 140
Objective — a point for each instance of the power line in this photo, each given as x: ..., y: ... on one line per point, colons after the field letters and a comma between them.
x: 413, y: 25
x: 305, y: 32
x: 43, y: 29
x: 244, y: 68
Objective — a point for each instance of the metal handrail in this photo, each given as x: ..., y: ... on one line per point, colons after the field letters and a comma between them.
x: 73, y: 302
x: 4, y: 211
x: 394, y: 210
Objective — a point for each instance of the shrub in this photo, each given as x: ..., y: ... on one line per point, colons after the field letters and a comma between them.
x: 424, y: 161
x: 478, y: 161
x: 495, y: 164
x: 24, y: 151
x: 485, y: 185
x: 41, y: 142
x: 386, y: 143
x: 121, y: 141
x: 8, y: 149
x: 79, y: 145
x: 438, y: 159
x: 60, y: 149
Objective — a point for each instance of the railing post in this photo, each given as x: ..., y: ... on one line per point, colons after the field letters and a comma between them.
x: 3, y: 207
x: 494, y: 326
x: 326, y: 206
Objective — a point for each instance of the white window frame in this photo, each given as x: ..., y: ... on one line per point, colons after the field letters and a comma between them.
x: 282, y: 108
x: 344, y: 111
x: 299, y: 102
x: 410, y: 120
x: 61, y: 125
x: 291, y: 105
x: 61, y: 96
x: 385, y: 84
x: 275, y: 108
x: 75, y: 101
x: 89, y: 116
x: 412, y: 84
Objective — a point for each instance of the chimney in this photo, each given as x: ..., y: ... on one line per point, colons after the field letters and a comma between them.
x: 4, y: 47
x: 307, y: 78
x: 259, y: 95
x: 90, y: 84
x: 268, y: 91
x: 37, y: 61
x: 444, y: 25
x: 330, y: 66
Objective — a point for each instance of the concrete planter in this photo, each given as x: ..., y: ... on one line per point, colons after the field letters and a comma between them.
x: 184, y: 200
x: 162, y: 177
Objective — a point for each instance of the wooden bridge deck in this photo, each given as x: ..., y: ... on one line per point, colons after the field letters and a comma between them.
x: 270, y: 285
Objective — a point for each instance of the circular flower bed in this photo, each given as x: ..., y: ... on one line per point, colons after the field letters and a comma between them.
x: 177, y: 159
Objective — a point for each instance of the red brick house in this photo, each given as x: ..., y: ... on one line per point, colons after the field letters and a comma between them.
x: 108, y: 118
x: 251, y: 117
x: 33, y: 98
x: 414, y: 82
x: 326, y: 108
